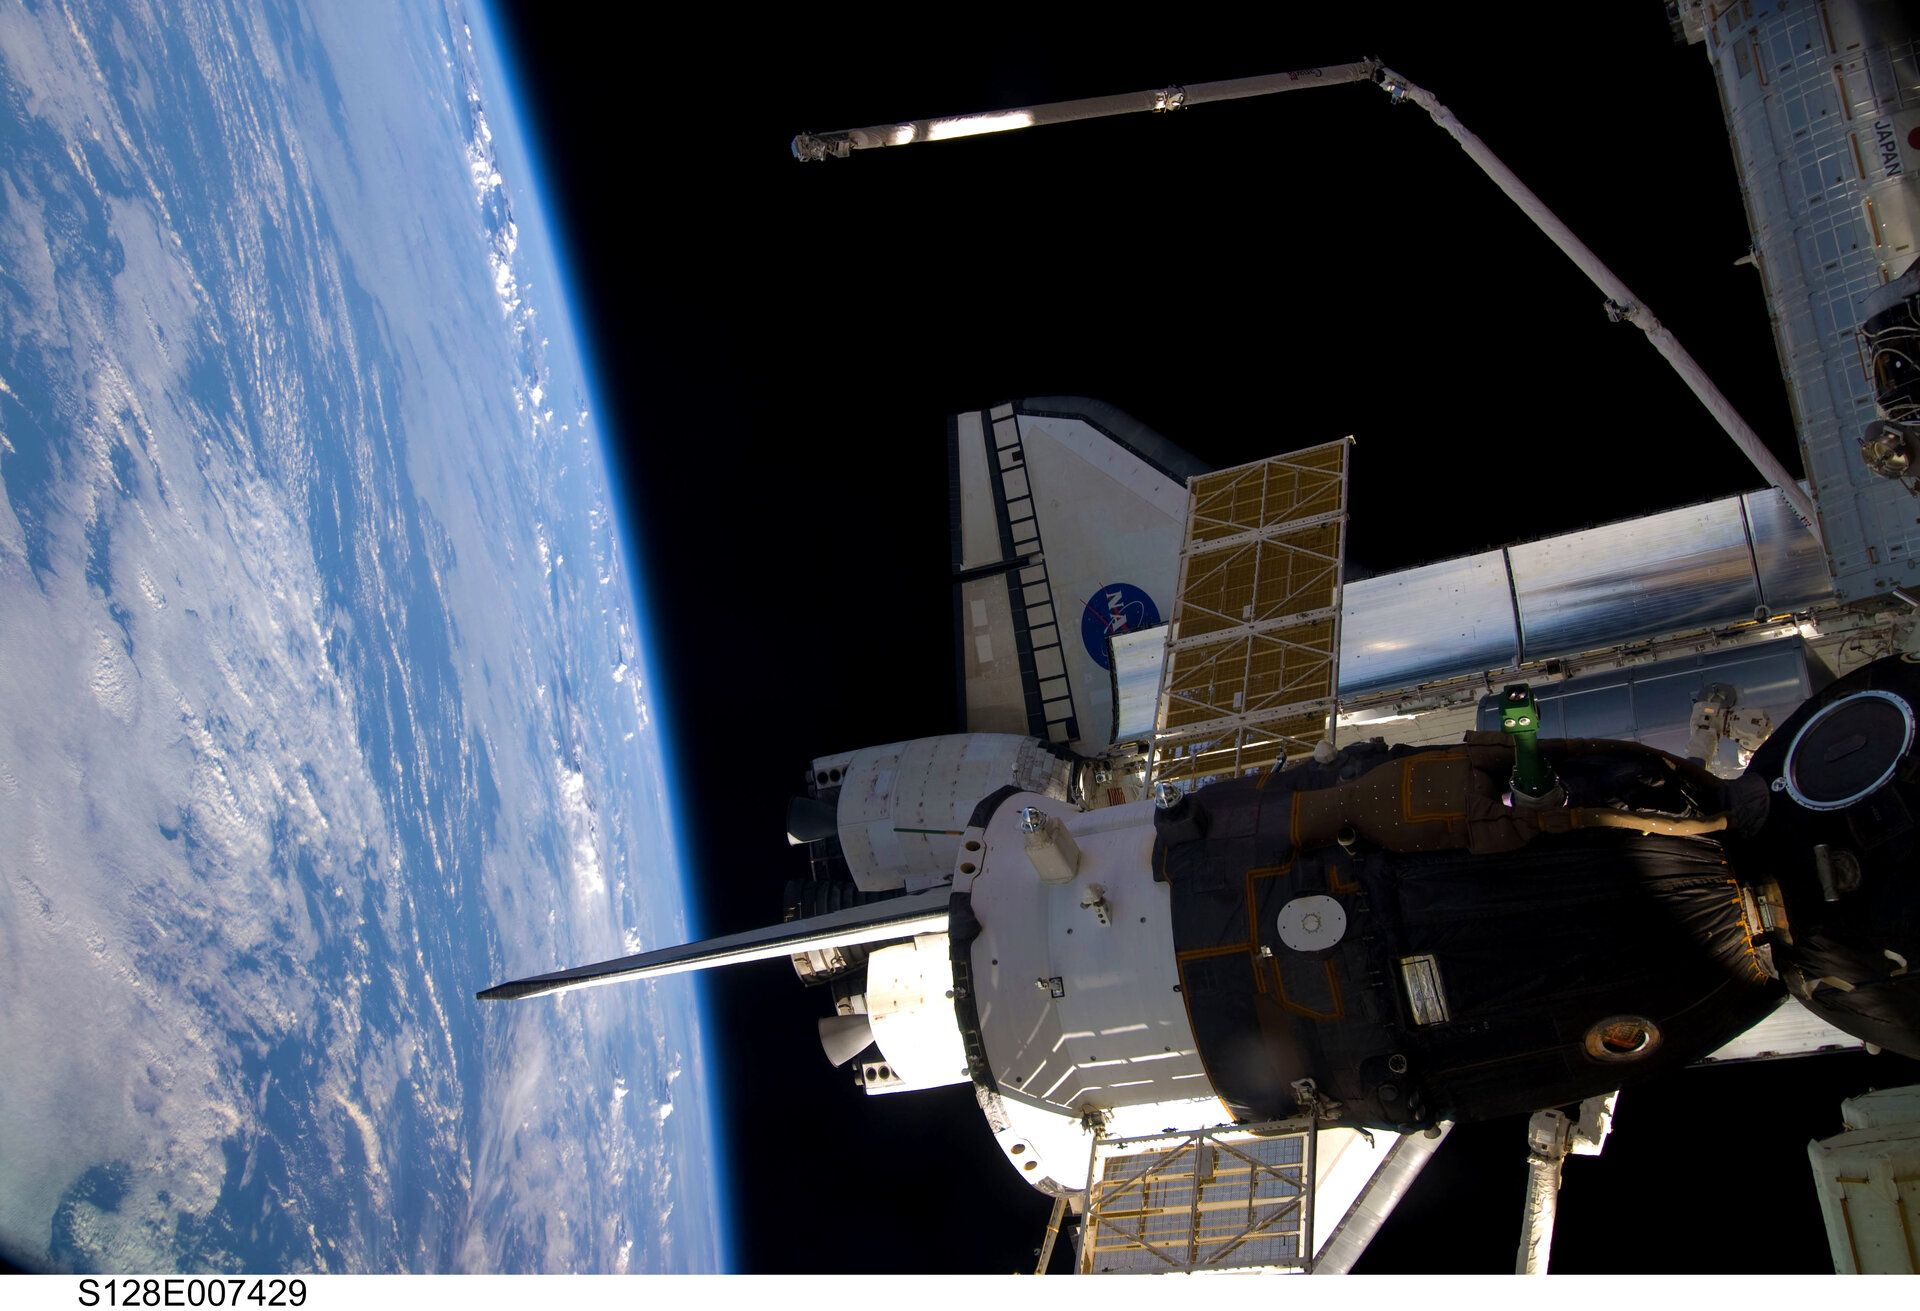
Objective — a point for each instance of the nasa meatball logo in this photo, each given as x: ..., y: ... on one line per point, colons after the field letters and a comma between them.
x: 1114, y: 609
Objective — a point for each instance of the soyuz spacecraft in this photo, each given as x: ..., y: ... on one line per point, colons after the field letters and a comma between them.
x: 1247, y: 881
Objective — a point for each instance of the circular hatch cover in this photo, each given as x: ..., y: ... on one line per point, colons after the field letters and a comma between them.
x: 1312, y: 923
x: 1849, y: 750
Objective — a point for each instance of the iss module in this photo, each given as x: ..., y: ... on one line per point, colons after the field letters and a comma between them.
x: 1392, y: 927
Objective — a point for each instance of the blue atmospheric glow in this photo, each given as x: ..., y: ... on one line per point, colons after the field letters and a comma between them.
x: 561, y: 267
x: 520, y: 152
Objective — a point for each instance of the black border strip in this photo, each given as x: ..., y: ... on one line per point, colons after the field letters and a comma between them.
x: 993, y: 570
x: 1023, y: 649
x: 954, y: 491
x: 1012, y: 563
x: 960, y: 633
x: 999, y: 486
x: 1753, y: 555
x: 1195, y: 467
x: 962, y: 928
x: 1016, y: 600
x: 1513, y: 600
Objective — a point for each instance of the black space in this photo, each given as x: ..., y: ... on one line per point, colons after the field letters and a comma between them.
x: 778, y: 346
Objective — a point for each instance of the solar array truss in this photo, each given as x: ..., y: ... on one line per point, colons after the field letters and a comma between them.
x: 1232, y: 1198
x: 1252, y: 662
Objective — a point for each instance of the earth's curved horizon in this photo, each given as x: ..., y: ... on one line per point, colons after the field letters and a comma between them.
x: 324, y: 691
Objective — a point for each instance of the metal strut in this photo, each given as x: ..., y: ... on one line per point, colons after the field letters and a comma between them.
x: 838, y: 145
x: 1551, y: 1137
x: 1621, y: 303
x: 1053, y: 1234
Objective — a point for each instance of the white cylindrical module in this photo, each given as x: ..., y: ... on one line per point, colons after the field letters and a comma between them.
x: 1076, y: 1016
x: 1077, y: 997
x: 902, y: 806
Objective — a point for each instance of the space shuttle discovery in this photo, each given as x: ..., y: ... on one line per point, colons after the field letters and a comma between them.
x: 1245, y: 876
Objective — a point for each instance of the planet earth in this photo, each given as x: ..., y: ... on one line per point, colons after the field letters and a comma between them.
x: 324, y: 692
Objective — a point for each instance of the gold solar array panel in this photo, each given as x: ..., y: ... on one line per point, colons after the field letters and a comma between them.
x: 1253, y: 648
x: 1203, y: 1203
